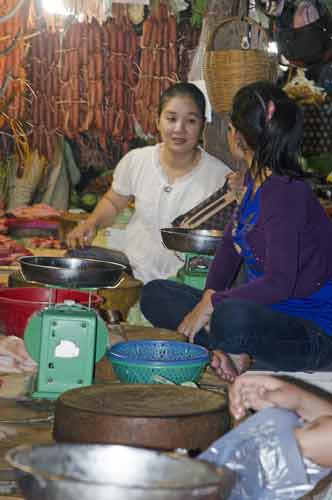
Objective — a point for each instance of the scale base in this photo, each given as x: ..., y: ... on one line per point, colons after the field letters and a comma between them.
x: 66, y: 340
x: 44, y: 395
x: 195, y: 270
x: 195, y: 280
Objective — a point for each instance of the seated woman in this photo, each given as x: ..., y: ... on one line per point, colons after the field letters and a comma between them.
x: 165, y: 180
x: 281, y: 317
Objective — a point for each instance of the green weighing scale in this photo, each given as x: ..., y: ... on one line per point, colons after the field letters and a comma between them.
x: 195, y: 269
x: 198, y: 247
x: 66, y: 340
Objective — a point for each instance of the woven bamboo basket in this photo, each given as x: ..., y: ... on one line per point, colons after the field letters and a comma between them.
x: 226, y: 71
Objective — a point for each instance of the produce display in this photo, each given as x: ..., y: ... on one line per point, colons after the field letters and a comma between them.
x: 38, y: 211
x: 10, y: 250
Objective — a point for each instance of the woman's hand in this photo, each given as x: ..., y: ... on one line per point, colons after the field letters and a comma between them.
x: 315, y: 440
x: 261, y: 391
x: 14, y: 357
x: 257, y: 392
x: 235, y: 183
x: 198, y: 317
x: 82, y: 235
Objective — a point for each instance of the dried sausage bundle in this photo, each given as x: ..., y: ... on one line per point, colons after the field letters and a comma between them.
x: 158, y: 65
x: 121, y: 77
x: 73, y: 87
x: 44, y: 75
x: 12, y: 71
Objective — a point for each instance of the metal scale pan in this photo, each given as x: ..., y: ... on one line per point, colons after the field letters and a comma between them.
x: 66, y: 340
x: 72, y: 272
x: 201, y: 241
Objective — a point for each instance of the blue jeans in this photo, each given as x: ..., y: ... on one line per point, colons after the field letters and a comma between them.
x: 274, y: 340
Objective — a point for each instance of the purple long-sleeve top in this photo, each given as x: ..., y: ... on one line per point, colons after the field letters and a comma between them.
x: 291, y: 241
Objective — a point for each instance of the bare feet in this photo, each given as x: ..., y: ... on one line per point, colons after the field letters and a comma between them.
x: 229, y: 366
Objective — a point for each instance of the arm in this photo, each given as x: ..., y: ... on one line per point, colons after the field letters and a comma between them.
x: 282, y: 216
x: 109, y: 206
x: 225, y: 264
x: 103, y: 215
x: 221, y: 274
x: 315, y: 440
x: 262, y: 391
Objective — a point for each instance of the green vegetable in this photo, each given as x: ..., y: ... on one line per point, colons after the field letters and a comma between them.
x: 74, y: 199
x: 319, y: 164
x: 197, y: 13
x: 88, y: 201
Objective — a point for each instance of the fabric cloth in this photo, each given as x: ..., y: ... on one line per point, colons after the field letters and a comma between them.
x: 291, y: 242
x: 157, y: 203
x: 263, y: 453
x: 43, y: 183
x: 274, y: 340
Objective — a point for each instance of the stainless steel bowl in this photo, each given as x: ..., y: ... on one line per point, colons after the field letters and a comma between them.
x: 203, y: 241
x: 71, y: 272
x: 107, y: 472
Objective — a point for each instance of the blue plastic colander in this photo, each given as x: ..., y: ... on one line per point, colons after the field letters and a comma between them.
x: 141, y: 361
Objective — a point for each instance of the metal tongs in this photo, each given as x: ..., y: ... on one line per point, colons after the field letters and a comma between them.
x: 207, y: 211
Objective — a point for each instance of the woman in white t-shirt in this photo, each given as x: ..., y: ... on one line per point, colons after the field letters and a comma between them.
x: 165, y: 181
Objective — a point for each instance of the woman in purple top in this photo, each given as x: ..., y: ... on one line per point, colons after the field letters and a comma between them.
x: 281, y: 317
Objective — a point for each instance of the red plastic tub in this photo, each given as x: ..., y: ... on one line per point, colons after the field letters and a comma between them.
x: 18, y: 304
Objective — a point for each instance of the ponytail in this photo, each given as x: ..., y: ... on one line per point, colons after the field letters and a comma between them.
x: 272, y: 125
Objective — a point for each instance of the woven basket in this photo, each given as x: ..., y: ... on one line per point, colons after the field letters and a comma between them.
x: 226, y: 71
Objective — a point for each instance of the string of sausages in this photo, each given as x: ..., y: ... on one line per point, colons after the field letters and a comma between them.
x: 121, y: 77
x: 158, y: 65
x: 101, y: 77
x: 45, y: 83
x: 12, y: 71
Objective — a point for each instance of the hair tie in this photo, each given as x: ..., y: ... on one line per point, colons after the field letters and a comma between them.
x: 271, y: 107
x: 268, y: 109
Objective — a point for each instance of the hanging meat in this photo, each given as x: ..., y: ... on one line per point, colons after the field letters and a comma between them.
x: 13, y: 18
x: 121, y: 77
x: 158, y: 65
x: 44, y: 75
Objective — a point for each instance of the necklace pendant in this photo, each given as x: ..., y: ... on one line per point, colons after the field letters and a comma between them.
x: 168, y: 189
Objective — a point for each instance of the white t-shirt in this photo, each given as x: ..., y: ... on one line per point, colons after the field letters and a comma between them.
x: 139, y: 173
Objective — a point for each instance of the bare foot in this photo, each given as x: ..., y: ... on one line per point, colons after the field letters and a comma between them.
x: 229, y: 366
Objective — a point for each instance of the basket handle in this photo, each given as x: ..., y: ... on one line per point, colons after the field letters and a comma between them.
x: 227, y: 20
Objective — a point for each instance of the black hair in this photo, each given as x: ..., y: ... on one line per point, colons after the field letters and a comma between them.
x: 184, y: 89
x: 276, y: 141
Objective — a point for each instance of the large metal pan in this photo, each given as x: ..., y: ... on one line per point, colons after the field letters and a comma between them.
x: 203, y: 241
x: 110, y: 472
x: 70, y: 272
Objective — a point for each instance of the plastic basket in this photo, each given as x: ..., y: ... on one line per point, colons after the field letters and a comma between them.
x: 226, y: 71
x: 142, y: 362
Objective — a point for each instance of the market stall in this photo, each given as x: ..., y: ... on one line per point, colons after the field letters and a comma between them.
x: 78, y: 91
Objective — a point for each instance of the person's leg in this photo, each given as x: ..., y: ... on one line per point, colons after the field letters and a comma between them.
x: 277, y: 340
x: 165, y: 303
